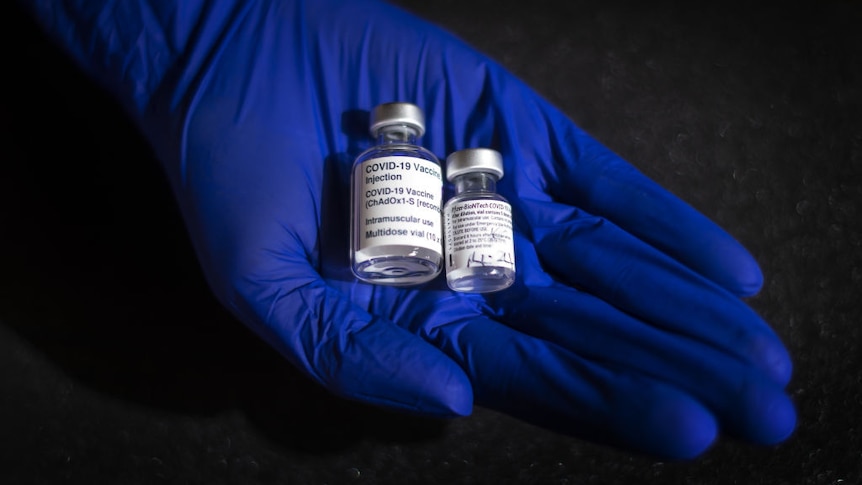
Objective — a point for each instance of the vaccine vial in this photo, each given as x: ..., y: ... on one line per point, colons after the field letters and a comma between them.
x: 396, y: 198
x: 480, y: 247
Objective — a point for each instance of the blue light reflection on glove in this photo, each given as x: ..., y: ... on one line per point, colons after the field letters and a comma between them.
x: 625, y: 325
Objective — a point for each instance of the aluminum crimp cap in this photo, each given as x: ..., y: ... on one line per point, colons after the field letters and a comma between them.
x: 474, y: 160
x: 397, y: 114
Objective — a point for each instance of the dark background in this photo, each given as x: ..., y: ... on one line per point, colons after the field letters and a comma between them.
x: 117, y: 366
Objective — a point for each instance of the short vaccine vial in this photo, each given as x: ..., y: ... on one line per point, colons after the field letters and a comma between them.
x: 396, y: 198
x: 480, y: 247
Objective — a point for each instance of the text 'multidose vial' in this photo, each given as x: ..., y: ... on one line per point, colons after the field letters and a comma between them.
x: 396, y: 199
x: 480, y: 248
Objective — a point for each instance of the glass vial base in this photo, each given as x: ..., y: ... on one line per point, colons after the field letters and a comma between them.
x: 397, y: 265
x: 481, y: 279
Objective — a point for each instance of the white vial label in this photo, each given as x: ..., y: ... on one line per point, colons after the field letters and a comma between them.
x: 479, y: 234
x: 399, y: 201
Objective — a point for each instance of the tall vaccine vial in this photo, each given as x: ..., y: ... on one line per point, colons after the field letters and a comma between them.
x: 396, y: 197
x: 480, y: 248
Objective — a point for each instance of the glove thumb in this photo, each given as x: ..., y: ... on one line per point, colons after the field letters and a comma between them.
x: 354, y: 354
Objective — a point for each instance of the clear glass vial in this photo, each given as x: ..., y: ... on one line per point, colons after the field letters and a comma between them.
x: 396, y: 198
x: 480, y: 248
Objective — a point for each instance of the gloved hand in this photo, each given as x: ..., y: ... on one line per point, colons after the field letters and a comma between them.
x: 625, y: 325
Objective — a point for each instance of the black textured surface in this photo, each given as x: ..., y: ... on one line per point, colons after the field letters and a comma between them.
x: 117, y: 366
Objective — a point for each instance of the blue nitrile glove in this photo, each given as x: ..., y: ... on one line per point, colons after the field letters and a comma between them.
x: 625, y: 325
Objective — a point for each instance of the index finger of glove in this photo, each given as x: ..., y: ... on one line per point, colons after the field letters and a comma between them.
x: 551, y: 158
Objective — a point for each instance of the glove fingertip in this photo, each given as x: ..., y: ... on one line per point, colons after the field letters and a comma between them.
x: 684, y: 428
x: 450, y: 395
x: 387, y: 366
x: 444, y: 393
x: 773, y: 358
x: 716, y: 255
x: 746, y: 279
x: 770, y: 417
x: 782, y: 422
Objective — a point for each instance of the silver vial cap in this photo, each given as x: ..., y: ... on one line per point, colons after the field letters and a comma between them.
x: 474, y: 160
x: 388, y: 114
